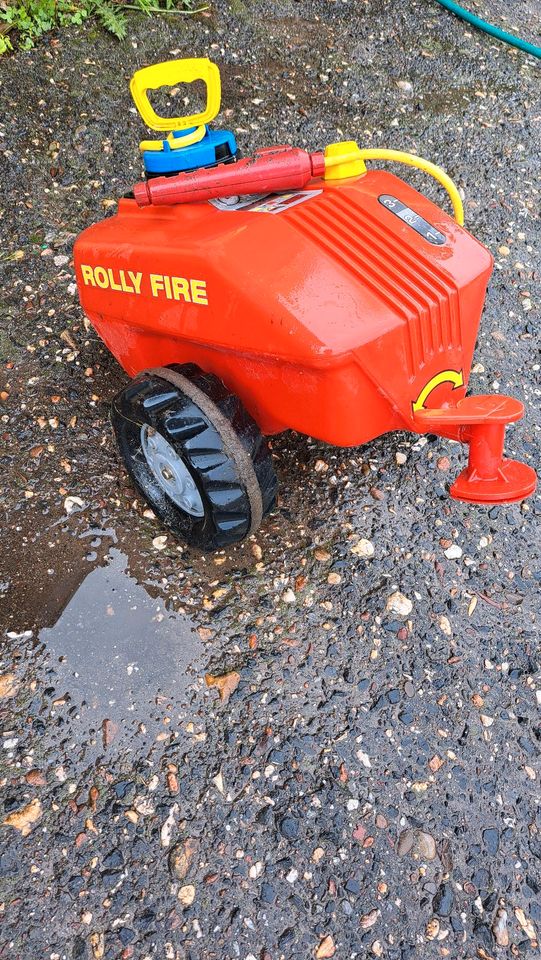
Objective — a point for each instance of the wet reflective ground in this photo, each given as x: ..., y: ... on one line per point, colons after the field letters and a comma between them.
x: 296, y: 748
x: 120, y: 655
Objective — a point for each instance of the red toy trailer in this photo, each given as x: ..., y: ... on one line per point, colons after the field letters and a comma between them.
x: 283, y: 291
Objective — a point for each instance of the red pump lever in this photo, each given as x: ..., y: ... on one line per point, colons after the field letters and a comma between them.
x: 271, y: 169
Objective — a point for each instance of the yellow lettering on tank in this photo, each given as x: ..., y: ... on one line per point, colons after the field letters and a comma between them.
x: 136, y: 280
x: 156, y: 284
x: 87, y: 274
x: 101, y: 277
x: 181, y: 289
x: 199, y: 291
x: 113, y: 285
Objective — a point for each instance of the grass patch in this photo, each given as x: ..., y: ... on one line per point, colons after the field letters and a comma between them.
x: 23, y: 21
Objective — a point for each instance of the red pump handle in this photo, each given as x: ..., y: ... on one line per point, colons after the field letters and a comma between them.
x: 271, y: 169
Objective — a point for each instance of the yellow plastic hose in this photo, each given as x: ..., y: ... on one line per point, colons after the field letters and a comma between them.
x: 398, y: 156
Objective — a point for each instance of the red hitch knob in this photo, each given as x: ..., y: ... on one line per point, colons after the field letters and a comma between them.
x: 480, y: 422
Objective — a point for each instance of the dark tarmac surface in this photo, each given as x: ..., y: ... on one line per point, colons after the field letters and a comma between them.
x: 363, y: 782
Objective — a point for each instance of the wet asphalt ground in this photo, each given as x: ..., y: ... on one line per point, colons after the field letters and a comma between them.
x: 265, y: 753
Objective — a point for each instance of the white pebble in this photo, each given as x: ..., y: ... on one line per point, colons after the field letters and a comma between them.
x: 399, y: 604
x: 454, y: 552
x: 364, y: 548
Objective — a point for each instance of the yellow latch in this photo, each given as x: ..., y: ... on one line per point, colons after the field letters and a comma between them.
x: 351, y: 167
x: 169, y: 74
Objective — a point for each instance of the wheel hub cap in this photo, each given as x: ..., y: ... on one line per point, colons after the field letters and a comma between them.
x: 171, y: 472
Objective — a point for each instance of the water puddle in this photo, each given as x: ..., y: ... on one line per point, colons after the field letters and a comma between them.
x: 122, y: 665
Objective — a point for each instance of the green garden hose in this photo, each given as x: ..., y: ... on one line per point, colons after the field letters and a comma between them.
x: 490, y: 28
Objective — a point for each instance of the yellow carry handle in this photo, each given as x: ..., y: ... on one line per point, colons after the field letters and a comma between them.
x: 169, y: 74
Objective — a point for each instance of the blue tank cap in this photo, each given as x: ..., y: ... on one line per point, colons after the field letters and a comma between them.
x: 216, y: 146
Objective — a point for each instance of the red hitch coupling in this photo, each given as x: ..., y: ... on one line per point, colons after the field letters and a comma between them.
x: 480, y: 422
x: 269, y: 170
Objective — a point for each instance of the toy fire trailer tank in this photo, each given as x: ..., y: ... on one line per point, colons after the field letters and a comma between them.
x: 286, y: 290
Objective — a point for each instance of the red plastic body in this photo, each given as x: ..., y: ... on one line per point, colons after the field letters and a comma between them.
x: 270, y: 169
x: 333, y: 317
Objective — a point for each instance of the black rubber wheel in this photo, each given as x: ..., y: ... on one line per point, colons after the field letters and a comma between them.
x: 195, y: 454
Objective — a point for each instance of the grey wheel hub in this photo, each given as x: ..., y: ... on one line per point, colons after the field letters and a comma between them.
x: 171, y: 472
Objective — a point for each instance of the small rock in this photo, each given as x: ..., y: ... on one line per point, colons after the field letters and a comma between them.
x: 432, y: 929
x: 218, y: 782
x: 398, y: 604
x: 318, y: 854
x: 181, y: 857
x: 26, y: 818
x: 425, y: 846
x: 97, y: 943
x: 186, y: 895
x: 109, y: 731
x: 322, y: 555
x: 288, y: 596
x: 360, y: 833
x: 525, y: 923
x: 35, y: 778
x: 400, y: 458
x: 168, y: 826
x: 405, y: 86
x: 454, y: 552
x: 443, y: 901
x: 491, y: 839
x: 226, y: 684
x: 159, y: 543
x: 334, y: 579
x: 71, y: 504
x: 365, y: 759
x: 289, y: 828
x: 9, y: 686
x: 445, y: 626
x: 364, y: 548
x: 369, y: 919
x: 326, y: 948
x: 405, y: 842
x: 499, y: 928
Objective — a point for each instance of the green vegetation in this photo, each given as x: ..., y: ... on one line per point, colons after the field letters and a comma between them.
x: 23, y: 21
